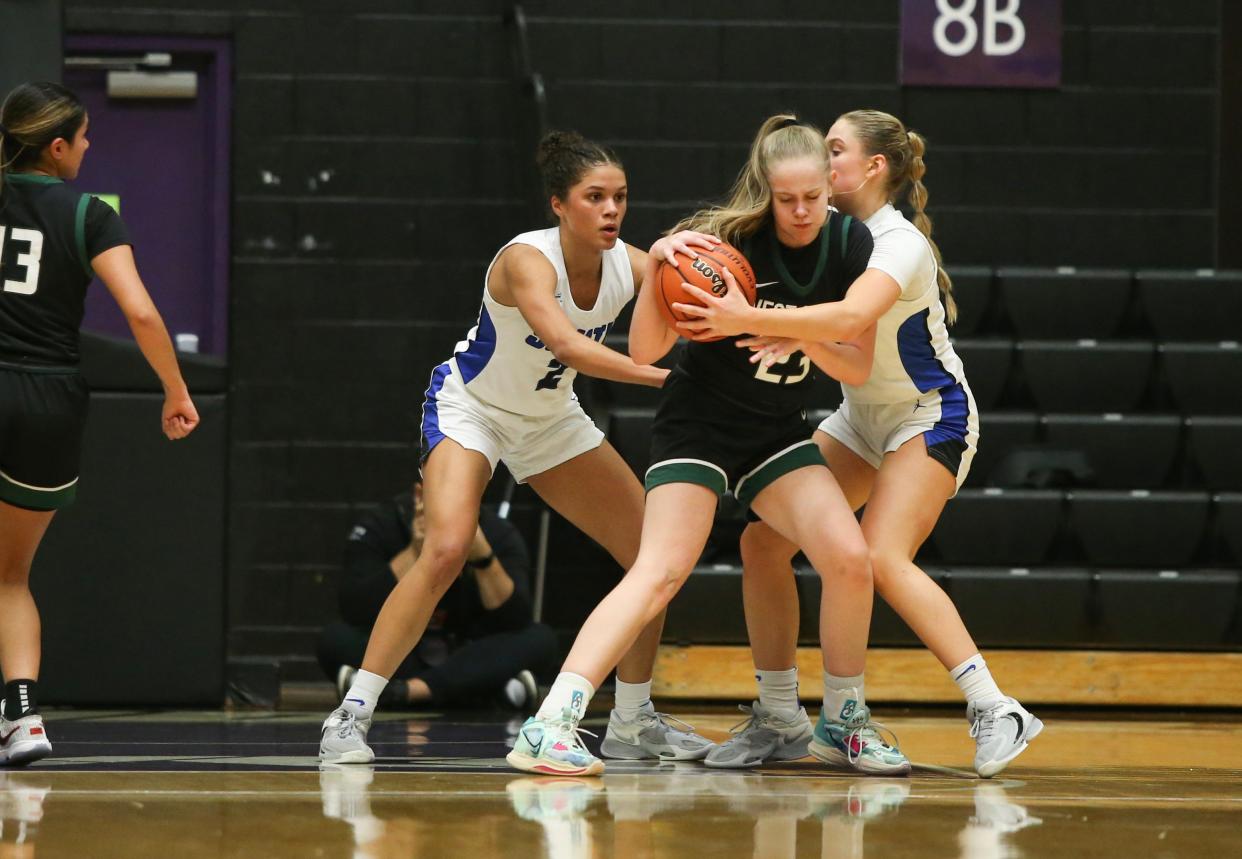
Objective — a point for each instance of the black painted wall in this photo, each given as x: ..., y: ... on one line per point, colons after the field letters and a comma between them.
x: 377, y: 165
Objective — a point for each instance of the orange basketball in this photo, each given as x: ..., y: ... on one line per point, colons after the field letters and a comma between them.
x: 706, y: 273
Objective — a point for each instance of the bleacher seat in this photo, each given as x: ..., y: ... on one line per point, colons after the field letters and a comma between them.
x: 987, y: 364
x: 1205, y: 378
x: 1192, y: 305
x: 989, y: 527
x: 1173, y: 609
x: 1087, y: 375
x: 1124, y: 451
x: 1229, y: 525
x: 1139, y: 528
x: 999, y: 432
x: 1065, y: 303
x: 1215, y: 446
x: 972, y: 290
x: 1021, y: 607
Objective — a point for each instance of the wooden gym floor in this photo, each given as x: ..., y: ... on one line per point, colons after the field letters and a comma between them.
x: 209, y: 784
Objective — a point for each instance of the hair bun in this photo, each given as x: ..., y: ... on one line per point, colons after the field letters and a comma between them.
x: 554, y: 142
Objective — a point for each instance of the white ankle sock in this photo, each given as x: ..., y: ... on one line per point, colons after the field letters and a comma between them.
x: 778, y: 691
x: 569, y: 690
x: 364, y: 694
x: 976, y: 683
x: 630, y: 698
x: 843, y: 697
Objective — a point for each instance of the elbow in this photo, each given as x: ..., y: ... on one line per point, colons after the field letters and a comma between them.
x: 853, y: 326
x: 147, y: 317
x: 566, y: 351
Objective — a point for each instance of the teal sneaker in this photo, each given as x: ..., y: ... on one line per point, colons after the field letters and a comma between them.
x: 553, y: 747
x: 857, y: 744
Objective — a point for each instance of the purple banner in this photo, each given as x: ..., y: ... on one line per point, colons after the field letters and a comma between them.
x: 981, y: 43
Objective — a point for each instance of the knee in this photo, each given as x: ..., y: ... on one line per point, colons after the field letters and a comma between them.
x: 445, y: 556
x: 660, y: 582
x: 850, y: 563
x: 12, y: 574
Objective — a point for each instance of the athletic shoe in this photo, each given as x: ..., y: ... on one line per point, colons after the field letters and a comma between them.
x: 651, y: 735
x: 1001, y: 733
x: 344, y: 739
x: 521, y: 692
x: 858, y: 745
x: 763, y: 736
x: 23, y: 741
x: 553, y: 747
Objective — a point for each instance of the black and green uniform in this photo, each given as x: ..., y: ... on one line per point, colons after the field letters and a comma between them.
x: 731, y: 425
x: 49, y: 233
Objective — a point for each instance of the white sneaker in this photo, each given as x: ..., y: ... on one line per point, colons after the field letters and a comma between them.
x: 1001, y: 733
x: 23, y: 741
x: 344, y: 739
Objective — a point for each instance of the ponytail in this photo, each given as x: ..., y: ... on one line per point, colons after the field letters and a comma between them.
x: 918, y: 201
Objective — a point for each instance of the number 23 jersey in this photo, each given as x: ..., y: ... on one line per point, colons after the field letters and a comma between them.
x: 504, y: 363
x: 818, y: 272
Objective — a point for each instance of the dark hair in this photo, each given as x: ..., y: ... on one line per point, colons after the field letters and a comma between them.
x: 564, y: 157
x: 34, y: 115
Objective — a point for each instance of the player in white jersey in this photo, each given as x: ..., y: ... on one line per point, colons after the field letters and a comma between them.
x: 507, y: 394
x: 902, y: 442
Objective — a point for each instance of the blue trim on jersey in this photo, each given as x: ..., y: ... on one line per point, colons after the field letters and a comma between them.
x: 918, y: 356
x: 954, y: 415
x: 431, y: 409
x: 478, y: 351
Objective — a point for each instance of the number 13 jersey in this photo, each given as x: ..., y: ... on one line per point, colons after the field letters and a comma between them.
x: 504, y: 363
x: 49, y: 233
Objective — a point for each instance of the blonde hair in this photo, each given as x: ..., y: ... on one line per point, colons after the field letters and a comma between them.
x: 780, y: 137
x: 884, y: 134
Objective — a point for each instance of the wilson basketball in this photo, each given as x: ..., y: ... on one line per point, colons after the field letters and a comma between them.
x: 707, y: 273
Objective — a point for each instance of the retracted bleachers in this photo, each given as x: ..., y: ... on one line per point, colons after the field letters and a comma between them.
x: 1137, y: 378
x: 1192, y: 305
x: 1065, y: 303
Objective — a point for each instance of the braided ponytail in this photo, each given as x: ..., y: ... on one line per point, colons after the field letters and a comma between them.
x: 884, y: 134
x: 918, y: 201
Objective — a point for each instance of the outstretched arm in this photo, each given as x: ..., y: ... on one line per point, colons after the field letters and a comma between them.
x: 117, y: 270
x: 848, y: 362
x: 525, y: 274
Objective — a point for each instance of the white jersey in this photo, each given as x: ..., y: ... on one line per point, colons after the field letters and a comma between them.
x: 912, y: 351
x: 504, y: 364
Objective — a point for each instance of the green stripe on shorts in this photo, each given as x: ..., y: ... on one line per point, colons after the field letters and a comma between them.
x: 778, y: 465
x: 687, y: 471
x: 31, y: 498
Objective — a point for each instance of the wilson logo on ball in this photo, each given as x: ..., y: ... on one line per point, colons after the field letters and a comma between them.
x: 719, y: 287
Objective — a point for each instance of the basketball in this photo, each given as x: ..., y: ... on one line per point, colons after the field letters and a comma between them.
x: 707, y: 273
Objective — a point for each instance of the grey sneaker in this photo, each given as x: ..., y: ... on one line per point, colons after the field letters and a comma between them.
x: 764, y: 736
x: 653, y: 735
x: 1001, y: 734
x: 344, y: 739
